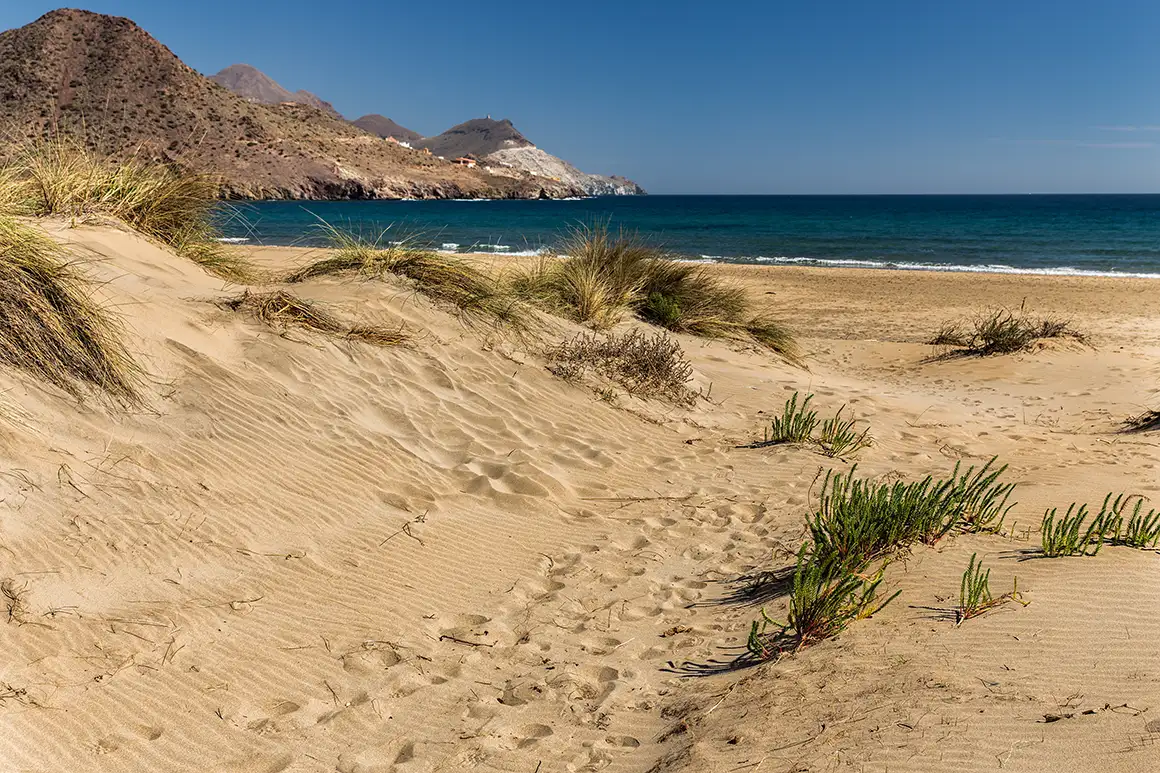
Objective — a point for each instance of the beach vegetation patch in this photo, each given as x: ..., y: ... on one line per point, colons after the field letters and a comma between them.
x: 50, y: 324
x: 858, y: 528
x: 796, y: 424
x: 1072, y: 535
x: 59, y: 176
x: 643, y: 365
x: 975, y: 596
x: 1001, y: 332
x: 825, y: 597
x: 282, y: 310
x: 601, y: 277
x: 442, y: 278
x: 840, y: 437
x: 1143, y: 422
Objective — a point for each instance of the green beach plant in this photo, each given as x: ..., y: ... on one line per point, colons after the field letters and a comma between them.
x: 858, y: 520
x: 839, y: 438
x: 825, y: 597
x: 975, y: 593
x: 1067, y: 535
x: 1141, y: 529
x: 795, y: 425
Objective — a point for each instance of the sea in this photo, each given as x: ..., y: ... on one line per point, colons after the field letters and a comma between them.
x: 1082, y: 235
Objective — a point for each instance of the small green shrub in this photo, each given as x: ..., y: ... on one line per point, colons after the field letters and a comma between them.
x: 795, y: 425
x: 858, y: 520
x: 1142, y: 529
x: 975, y: 593
x: 825, y: 597
x: 839, y: 438
x: 1067, y: 535
x: 1001, y: 332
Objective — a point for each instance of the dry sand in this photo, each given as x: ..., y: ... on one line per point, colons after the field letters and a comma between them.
x: 317, y: 556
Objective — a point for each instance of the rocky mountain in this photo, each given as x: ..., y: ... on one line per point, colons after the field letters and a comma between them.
x: 253, y: 84
x: 381, y: 126
x: 500, y: 144
x: 104, y: 79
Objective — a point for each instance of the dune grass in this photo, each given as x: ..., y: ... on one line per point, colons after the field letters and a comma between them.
x: 602, y: 277
x: 282, y: 310
x: 50, y: 325
x: 59, y: 176
x: 1000, y: 331
x: 646, y: 366
x: 975, y: 597
x: 442, y: 278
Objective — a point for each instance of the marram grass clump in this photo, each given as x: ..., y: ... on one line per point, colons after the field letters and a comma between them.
x: 282, y: 310
x: 601, y: 277
x: 646, y: 366
x: 59, y: 176
x: 50, y: 324
x: 442, y: 278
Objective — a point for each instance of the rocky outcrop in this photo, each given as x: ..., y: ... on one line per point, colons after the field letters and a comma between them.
x: 538, y: 162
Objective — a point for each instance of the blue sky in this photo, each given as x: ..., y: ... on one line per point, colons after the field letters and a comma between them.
x: 845, y: 96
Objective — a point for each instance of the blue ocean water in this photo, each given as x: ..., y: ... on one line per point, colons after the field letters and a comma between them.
x: 1050, y: 234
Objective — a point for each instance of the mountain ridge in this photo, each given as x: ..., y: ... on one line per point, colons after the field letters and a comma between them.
x: 108, y: 82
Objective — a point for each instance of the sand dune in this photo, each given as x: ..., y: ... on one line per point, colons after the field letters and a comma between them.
x: 309, y: 555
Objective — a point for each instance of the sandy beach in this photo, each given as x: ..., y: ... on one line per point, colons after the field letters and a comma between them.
x: 304, y: 554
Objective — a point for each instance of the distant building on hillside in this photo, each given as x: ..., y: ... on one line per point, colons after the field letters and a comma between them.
x: 466, y: 161
x: 425, y: 151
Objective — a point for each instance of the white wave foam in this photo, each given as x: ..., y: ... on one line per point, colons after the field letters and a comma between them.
x: 232, y: 239
x: 994, y: 268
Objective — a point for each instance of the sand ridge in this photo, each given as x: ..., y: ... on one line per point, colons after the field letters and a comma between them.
x: 315, y: 555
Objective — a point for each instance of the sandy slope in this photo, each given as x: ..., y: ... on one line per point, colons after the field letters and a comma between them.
x: 311, y: 556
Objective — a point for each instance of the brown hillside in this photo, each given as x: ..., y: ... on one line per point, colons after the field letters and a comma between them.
x: 253, y: 84
x: 106, y: 79
x: 381, y: 126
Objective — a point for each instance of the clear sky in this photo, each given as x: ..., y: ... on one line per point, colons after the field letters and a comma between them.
x: 742, y: 96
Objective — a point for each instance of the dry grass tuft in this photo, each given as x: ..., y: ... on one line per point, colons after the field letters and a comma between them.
x: 60, y: 176
x: 604, y: 276
x: 1001, y: 332
x: 280, y: 309
x: 50, y: 325
x: 1144, y: 422
x: 442, y: 278
x: 645, y: 366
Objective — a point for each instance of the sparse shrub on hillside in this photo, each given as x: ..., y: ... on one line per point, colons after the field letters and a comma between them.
x: 442, y: 278
x: 280, y: 309
x: 61, y: 177
x: 646, y: 366
x: 601, y: 277
x: 1001, y: 332
x: 51, y: 326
